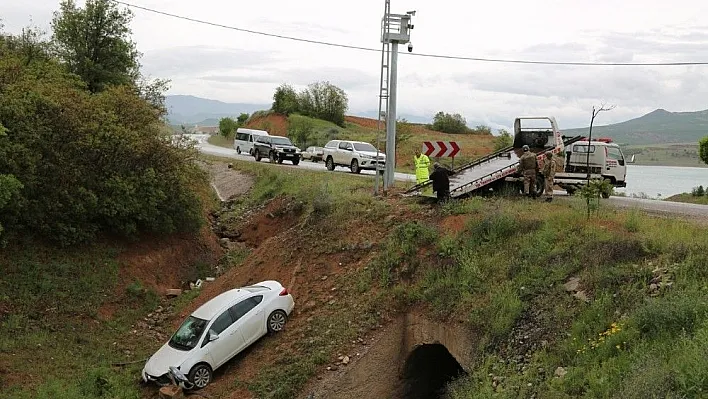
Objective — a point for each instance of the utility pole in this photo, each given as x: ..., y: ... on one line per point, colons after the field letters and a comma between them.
x: 395, y: 30
x: 383, y: 90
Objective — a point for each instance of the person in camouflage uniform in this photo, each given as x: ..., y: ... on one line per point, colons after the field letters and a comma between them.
x: 549, y: 171
x: 528, y: 166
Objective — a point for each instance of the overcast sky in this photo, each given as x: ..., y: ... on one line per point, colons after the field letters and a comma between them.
x: 234, y: 66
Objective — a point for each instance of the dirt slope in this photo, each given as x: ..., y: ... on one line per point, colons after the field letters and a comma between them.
x: 275, y: 124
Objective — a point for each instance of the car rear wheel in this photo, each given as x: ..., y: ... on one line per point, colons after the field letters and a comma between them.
x: 238, y: 150
x: 257, y: 154
x: 200, y: 375
x: 355, y: 166
x: 330, y: 164
x: 276, y: 321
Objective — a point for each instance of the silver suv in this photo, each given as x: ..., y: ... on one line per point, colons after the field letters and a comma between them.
x: 355, y: 155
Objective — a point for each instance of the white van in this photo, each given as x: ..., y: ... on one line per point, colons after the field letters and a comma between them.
x: 245, y: 138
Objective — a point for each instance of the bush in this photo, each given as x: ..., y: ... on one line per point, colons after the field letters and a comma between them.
x: 678, y: 314
x: 698, y: 191
x: 88, y: 163
x: 447, y: 123
x: 703, y: 149
x: 300, y: 129
x: 503, y: 140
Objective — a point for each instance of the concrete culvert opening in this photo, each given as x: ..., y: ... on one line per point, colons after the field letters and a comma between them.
x: 427, y: 371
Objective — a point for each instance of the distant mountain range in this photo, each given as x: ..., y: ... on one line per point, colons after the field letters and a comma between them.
x: 657, y: 127
x: 190, y: 110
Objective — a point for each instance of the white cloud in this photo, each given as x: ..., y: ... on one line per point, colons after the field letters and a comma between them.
x: 234, y: 66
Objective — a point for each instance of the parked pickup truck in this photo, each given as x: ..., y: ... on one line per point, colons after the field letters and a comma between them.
x: 355, y: 155
x: 276, y: 149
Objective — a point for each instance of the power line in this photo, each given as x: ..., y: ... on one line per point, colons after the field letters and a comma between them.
x: 440, y: 56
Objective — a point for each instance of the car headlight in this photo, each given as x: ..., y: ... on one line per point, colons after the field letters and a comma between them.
x: 368, y: 157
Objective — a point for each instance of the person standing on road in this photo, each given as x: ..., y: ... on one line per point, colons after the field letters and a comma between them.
x: 441, y: 181
x: 528, y: 166
x: 549, y: 171
x: 422, y: 169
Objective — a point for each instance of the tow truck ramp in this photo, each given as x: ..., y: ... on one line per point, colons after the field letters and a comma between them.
x: 487, y: 170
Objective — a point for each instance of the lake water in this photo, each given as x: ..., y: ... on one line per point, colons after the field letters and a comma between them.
x: 663, y: 181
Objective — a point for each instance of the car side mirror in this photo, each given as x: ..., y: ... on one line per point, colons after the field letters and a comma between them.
x: 213, y: 336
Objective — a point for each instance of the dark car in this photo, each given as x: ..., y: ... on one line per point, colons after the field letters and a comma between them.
x: 276, y: 149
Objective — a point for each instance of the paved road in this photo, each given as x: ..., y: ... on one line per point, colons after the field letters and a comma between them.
x: 207, y: 148
x: 654, y: 206
x: 694, y: 211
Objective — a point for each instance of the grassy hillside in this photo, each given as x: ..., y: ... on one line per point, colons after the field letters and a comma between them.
x: 364, y: 129
x: 68, y: 316
x: 635, y: 325
x: 685, y: 155
x: 657, y: 127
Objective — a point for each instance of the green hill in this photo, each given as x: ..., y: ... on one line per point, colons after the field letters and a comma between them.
x: 657, y: 127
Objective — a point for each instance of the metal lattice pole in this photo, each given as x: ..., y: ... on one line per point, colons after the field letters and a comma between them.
x: 383, y: 86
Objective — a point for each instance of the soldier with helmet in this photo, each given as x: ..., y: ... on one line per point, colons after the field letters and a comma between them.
x: 528, y: 166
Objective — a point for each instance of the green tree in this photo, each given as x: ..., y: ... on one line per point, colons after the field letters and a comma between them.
x: 87, y: 164
x: 285, y: 100
x: 404, y: 132
x: 300, y: 129
x: 503, y: 140
x: 703, y: 149
x: 448, y: 123
x: 323, y: 100
x: 242, y: 119
x: 95, y: 43
x: 227, y: 126
x: 482, y: 130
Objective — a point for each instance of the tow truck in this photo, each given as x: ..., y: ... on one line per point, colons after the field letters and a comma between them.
x: 498, y: 171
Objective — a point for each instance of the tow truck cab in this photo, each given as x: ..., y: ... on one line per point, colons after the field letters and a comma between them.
x: 602, y: 156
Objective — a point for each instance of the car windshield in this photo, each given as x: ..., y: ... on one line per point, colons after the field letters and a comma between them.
x: 281, y: 141
x: 364, y: 147
x: 187, y: 337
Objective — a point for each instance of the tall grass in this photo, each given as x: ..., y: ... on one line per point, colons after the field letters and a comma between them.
x: 53, y: 332
x: 624, y: 342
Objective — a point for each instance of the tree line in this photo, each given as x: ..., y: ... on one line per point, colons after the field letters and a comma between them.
x: 84, y: 149
x: 320, y: 100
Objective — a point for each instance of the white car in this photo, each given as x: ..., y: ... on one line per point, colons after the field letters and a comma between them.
x: 219, y: 330
x: 355, y: 155
x: 314, y: 154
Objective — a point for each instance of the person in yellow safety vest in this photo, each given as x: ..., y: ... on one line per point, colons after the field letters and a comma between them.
x: 422, y: 170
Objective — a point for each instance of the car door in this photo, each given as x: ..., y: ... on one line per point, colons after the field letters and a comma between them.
x: 250, y: 318
x: 616, y: 166
x: 229, y: 342
x: 261, y: 145
x: 342, y: 153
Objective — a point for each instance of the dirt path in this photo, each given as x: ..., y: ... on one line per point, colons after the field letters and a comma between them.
x: 227, y: 182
